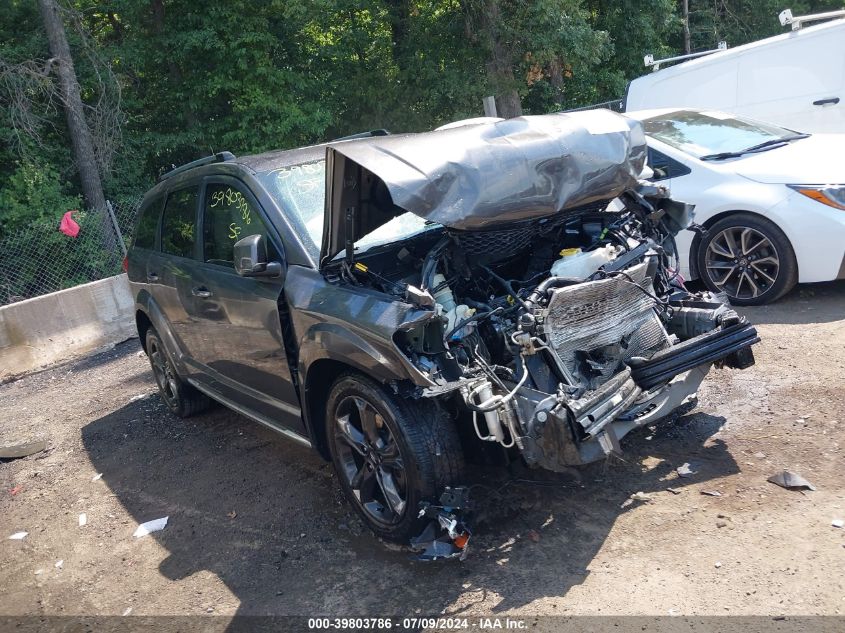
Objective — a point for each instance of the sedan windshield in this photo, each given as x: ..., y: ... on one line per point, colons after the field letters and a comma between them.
x: 715, y: 134
x: 300, y: 191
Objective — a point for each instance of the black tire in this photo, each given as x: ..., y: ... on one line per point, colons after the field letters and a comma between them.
x: 180, y: 397
x: 429, y: 454
x: 748, y: 258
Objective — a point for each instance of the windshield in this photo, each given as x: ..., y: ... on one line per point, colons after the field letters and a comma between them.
x: 706, y: 133
x: 300, y: 190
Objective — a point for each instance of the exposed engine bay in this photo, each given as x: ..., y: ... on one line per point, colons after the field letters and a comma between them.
x: 553, y: 338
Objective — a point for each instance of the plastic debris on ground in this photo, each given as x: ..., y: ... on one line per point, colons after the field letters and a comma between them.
x: 150, y: 526
x: 15, y: 490
x: 59, y: 564
x: 711, y: 493
x: 97, y: 477
x: 790, y: 481
x: 18, y: 536
x: 16, y: 451
x: 127, y: 611
x: 838, y: 523
x: 83, y: 519
x: 446, y: 535
x: 686, y: 470
x: 637, y: 496
x: 674, y: 491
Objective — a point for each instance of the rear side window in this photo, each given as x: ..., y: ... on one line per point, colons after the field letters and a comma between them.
x: 145, y: 231
x: 665, y: 167
x: 178, y: 226
x: 228, y: 217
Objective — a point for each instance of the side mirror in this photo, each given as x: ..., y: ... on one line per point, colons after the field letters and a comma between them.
x: 250, y: 256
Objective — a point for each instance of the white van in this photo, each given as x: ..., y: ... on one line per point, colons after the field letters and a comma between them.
x: 796, y: 80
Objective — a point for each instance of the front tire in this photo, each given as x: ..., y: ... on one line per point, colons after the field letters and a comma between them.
x: 390, y: 453
x: 180, y: 397
x: 748, y: 258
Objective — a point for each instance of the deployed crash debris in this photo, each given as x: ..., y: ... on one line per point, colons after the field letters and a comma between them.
x: 686, y: 470
x: 790, y: 481
x: 446, y: 535
x: 150, y: 526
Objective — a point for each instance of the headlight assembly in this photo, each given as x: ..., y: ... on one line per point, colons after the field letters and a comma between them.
x: 831, y: 195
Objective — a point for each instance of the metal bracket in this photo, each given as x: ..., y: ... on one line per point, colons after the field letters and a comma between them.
x: 655, y: 63
x: 786, y: 17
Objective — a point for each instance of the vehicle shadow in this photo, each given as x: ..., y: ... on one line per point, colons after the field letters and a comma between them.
x: 267, y: 517
x: 806, y: 303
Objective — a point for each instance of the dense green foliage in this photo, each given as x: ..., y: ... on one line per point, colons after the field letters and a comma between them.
x: 252, y: 75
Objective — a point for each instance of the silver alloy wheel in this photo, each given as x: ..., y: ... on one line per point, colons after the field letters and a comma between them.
x: 742, y: 262
x: 164, y: 375
x: 371, y: 460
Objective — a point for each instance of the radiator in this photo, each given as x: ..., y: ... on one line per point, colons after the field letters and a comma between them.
x: 596, y: 326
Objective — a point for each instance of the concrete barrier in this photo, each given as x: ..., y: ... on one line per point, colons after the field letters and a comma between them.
x: 64, y: 324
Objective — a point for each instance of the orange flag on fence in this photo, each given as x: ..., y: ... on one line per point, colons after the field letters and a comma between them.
x: 68, y: 226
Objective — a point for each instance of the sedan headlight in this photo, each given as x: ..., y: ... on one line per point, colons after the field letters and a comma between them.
x: 831, y: 195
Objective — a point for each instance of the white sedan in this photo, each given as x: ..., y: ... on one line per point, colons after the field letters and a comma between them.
x: 772, y: 200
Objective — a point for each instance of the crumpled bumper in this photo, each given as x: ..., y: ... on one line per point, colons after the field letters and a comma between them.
x: 566, y: 432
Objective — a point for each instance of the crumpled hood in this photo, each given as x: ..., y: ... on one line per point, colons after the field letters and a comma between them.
x: 479, y: 177
x: 817, y: 160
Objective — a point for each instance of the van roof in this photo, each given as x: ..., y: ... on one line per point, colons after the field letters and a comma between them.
x: 683, y: 67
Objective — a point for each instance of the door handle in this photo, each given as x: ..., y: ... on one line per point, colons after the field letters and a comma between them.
x: 201, y: 292
x: 829, y: 101
x: 152, y: 277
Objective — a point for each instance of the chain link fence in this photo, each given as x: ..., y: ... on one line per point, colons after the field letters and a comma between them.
x: 41, y: 259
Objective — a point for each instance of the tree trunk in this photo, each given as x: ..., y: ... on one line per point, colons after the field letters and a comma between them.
x: 686, y: 26
x: 556, y: 80
x: 80, y: 133
x: 500, y: 64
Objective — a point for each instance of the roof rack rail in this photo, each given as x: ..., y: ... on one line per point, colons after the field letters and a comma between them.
x: 379, y: 132
x: 219, y: 157
x: 650, y: 61
x: 786, y: 17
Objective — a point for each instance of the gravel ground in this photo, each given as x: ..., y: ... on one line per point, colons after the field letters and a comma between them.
x: 258, y: 525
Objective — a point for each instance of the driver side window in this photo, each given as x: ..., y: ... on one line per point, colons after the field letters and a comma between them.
x: 228, y: 217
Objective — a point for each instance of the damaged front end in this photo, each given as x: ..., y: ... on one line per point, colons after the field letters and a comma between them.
x: 558, y: 319
x: 560, y: 367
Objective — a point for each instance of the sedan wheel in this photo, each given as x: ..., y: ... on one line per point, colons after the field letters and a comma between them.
x: 742, y: 262
x: 748, y: 258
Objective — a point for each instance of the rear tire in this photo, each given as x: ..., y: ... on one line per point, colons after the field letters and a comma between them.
x: 180, y: 397
x: 748, y: 258
x: 390, y: 453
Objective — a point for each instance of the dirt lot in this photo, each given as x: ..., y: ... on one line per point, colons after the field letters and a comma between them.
x: 258, y: 526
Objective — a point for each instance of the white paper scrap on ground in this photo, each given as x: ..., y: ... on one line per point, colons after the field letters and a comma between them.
x: 83, y: 519
x: 150, y: 526
x: 96, y: 477
x: 18, y: 536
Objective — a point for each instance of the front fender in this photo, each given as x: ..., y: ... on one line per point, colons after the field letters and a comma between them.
x: 379, y: 359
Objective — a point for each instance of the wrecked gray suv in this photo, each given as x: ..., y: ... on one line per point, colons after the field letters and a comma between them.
x: 405, y: 304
